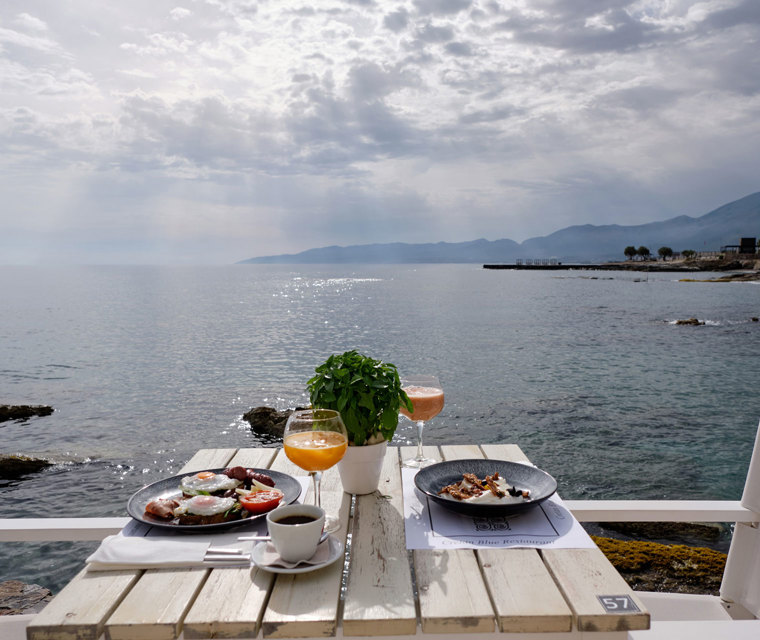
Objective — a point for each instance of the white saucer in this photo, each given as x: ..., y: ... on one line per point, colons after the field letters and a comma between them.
x: 336, y: 551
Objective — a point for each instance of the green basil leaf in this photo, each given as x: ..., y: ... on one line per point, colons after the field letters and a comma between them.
x: 367, y: 393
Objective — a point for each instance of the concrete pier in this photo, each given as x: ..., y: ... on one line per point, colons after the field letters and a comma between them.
x: 542, y: 267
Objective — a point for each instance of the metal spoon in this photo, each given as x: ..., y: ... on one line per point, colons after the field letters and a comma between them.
x: 323, y: 537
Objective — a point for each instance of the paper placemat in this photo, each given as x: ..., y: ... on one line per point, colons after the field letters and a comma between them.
x: 431, y: 526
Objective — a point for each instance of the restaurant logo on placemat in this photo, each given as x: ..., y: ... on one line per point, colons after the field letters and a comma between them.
x: 491, y: 524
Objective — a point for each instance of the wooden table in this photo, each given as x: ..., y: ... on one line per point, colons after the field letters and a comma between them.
x: 389, y: 591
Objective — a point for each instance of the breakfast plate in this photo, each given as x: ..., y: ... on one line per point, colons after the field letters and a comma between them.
x: 169, y: 488
x: 430, y: 480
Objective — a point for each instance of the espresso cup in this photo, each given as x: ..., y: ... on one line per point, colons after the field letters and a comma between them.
x: 295, y: 530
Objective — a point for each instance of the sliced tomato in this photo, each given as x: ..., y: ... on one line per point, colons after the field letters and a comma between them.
x: 261, y: 501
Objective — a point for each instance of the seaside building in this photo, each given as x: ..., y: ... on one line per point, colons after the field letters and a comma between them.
x: 746, y: 246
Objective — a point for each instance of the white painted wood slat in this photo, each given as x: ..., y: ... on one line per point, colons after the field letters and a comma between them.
x: 461, y: 452
x: 155, y: 607
x: 79, y: 611
x: 239, y: 612
x: 584, y: 575
x: 306, y: 605
x: 452, y: 595
x: 379, y: 597
x: 230, y: 604
x: 524, y: 595
x: 523, y: 592
x: 510, y: 452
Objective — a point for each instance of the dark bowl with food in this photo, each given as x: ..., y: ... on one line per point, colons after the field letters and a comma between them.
x: 538, y: 483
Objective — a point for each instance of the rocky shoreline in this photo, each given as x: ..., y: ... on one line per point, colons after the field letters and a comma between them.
x: 18, y: 597
x: 748, y: 268
x: 732, y: 277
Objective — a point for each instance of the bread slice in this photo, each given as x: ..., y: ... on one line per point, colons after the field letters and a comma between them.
x: 235, y: 513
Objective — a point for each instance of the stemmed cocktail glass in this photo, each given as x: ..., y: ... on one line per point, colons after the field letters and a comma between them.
x: 426, y: 394
x: 315, y: 440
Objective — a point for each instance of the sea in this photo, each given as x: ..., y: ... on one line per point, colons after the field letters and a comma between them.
x: 586, y: 370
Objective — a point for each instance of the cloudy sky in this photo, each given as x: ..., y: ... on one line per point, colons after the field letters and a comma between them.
x: 210, y: 131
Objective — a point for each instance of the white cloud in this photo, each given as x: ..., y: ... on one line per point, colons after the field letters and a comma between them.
x: 13, y: 38
x: 30, y: 23
x: 179, y: 13
x: 271, y: 127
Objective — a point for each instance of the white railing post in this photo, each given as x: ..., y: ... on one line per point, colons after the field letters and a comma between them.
x: 751, y: 495
x: 741, y: 577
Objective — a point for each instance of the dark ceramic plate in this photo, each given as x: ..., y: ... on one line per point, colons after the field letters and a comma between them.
x: 432, y: 479
x: 169, y: 488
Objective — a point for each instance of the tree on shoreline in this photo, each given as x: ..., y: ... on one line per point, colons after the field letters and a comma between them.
x: 665, y: 252
x: 688, y: 253
x: 629, y: 252
x: 643, y: 252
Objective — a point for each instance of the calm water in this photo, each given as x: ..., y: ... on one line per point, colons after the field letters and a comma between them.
x: 585, y: 370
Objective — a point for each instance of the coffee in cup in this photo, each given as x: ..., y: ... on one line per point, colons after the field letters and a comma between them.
x: 295, y: 530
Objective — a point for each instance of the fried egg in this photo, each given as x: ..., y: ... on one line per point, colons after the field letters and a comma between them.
x: 204, y: 505
x: 207, y: 482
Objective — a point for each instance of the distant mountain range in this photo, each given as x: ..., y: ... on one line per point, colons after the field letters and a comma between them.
x: 579, y: 243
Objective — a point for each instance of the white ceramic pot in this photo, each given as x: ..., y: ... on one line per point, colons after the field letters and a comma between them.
x: 361, y: 466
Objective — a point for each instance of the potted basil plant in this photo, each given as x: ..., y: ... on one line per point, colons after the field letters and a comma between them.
x: 368, y: 395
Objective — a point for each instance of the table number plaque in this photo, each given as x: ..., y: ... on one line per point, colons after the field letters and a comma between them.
x: 618, y: 604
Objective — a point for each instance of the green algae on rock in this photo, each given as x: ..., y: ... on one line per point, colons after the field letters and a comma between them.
x: 651, y: 566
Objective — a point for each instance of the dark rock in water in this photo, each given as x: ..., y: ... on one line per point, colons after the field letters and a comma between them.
x: 23, y: 411
x: 268, y: 421
x: 18, y: 597
x: 13, y: 466
x: 691, y: 321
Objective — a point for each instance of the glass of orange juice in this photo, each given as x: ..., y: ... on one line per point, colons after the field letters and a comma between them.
x: 426, y: 394
x: 315, y: 440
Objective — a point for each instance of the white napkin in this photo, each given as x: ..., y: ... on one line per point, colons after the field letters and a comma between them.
x: 270, y: 558
x: 125, y: 552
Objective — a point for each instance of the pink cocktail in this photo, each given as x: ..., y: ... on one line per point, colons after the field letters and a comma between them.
x: 427, y: 402
x: 426, y: 396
